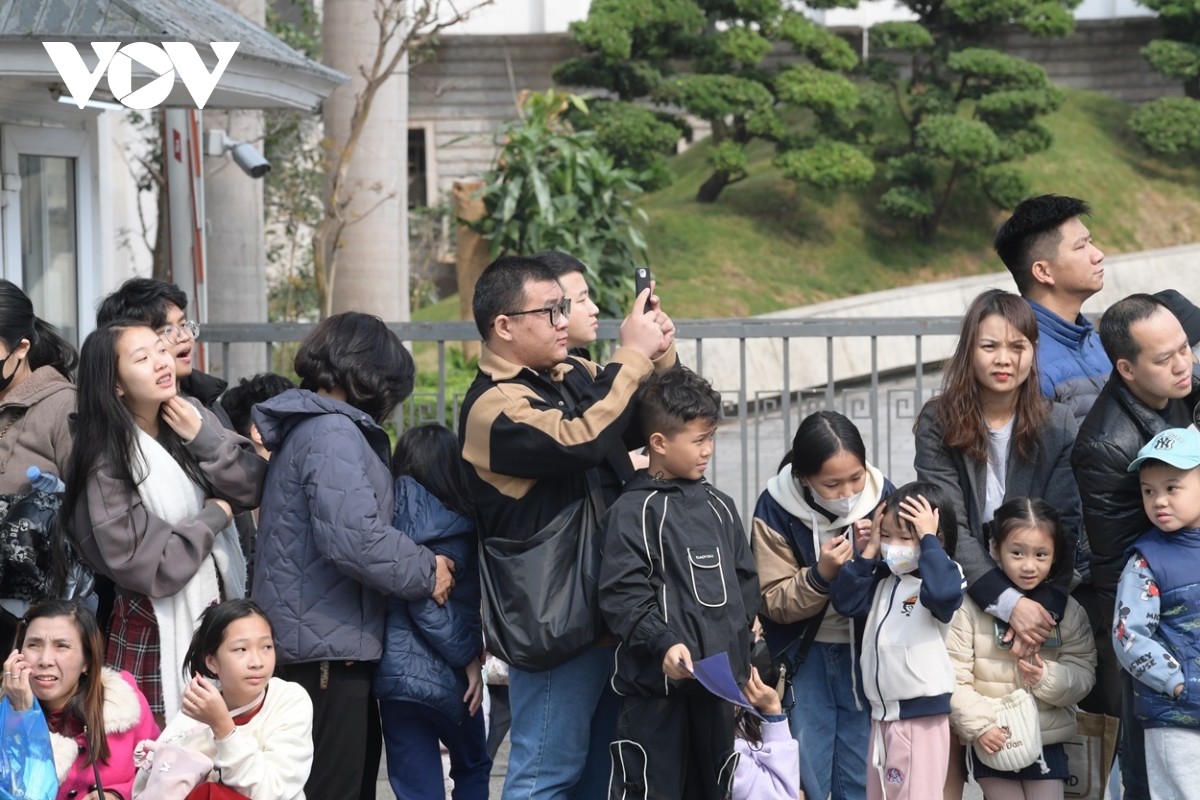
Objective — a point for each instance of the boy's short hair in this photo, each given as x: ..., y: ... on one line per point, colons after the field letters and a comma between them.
x: 1175, y: 447
x: 143, y: 299
x: 667, y: 401
x: 1031, y: 234
x: 249, y: 392
x: 562, y: 263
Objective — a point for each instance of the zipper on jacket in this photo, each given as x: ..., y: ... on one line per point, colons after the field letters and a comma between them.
x: 878, y: 630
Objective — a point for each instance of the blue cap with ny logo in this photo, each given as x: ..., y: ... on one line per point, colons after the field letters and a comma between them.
x: 1179, y: 447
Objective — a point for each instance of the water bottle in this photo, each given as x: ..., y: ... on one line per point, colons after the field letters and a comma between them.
x: 45, y: 481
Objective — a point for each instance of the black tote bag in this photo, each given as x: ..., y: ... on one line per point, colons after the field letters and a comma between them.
x: 541, y: 603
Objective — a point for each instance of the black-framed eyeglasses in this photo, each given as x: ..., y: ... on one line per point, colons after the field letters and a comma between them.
x: 175, y: 333
x: 556, y: 312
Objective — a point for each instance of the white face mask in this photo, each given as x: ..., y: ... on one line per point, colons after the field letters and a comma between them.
x: 901, y: 559
x: 841, y: 507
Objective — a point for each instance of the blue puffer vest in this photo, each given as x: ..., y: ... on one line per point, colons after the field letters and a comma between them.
x: 426, y: 646
x: 1175, y: 559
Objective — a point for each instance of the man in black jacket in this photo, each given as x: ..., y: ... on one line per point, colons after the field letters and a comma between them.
x: 1152, y: 388
x: 533, y: 423
x: 163, y: 306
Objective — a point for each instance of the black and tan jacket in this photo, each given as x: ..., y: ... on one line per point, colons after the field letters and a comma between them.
x: 528, y: 437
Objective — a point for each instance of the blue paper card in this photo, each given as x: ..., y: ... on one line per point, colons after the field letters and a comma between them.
x: 715, y: 674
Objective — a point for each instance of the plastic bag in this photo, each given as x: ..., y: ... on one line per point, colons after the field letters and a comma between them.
x: 26, y: 756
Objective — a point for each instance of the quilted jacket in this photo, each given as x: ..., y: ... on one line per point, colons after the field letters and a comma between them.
x: 426, y: 646
x: 327, y: 552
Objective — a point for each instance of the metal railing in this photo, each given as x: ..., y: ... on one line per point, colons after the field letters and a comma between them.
x: 762, y: 410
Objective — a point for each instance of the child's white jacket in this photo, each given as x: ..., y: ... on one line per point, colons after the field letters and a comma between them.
x: 985, y: 669
x: 906, y: 671
x: 268, y: 758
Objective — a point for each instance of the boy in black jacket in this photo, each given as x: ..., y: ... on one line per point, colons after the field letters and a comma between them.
x: 677, y: 584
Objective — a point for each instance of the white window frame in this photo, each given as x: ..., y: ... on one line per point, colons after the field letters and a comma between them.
x: 19, y: 140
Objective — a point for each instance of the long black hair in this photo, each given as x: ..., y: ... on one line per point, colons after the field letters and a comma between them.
x: 105, y: 432
x: 820, y: 437
x: 429, y: 454
x: 207, y: 639
x: 47, y: 347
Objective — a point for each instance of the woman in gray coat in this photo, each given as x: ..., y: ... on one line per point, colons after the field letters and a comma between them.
x: 988, y: 437
x: 327, y: 554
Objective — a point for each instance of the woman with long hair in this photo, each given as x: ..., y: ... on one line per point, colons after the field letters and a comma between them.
x: 96, y: 715
x: 991, y: 436
x: 152, y: 486
x: 36, y: 397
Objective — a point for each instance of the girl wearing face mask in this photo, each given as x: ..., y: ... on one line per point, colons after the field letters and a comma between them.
x: 991, y: 436
x: 152, y: 486
x: 908, y: 588
x: 805, y: 529
x: 1029, y: 543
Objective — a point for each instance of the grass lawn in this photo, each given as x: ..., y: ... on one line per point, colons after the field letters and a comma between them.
x: 766, y: 245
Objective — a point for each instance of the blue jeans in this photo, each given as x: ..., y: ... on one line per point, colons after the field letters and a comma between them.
x: 832, y: 733
x: 562, y: 723
x: 411, y: 733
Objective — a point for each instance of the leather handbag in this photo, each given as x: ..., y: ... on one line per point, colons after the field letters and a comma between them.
x: 541, y: 604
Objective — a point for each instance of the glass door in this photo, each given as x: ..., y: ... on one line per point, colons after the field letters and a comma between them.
x: 46, y: 175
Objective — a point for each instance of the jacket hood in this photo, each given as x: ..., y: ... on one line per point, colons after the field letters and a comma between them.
x: 786, y: 491
x: 423, y: 517
x: 1070, y: 334
x: 41, y: 383
x: 202, y: 386
x: 642, y: 480
x: 276, y: 418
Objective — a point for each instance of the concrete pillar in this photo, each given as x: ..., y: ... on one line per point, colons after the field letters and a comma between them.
x: 237, y: 262
x: 372, y: 265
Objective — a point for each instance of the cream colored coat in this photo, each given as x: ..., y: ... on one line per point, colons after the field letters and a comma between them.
x: 983, y: 669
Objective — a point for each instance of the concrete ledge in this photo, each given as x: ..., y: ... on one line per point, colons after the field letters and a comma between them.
x: 1147, y: 271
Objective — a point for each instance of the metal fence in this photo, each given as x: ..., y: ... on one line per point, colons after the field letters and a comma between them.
x: 761, y: 415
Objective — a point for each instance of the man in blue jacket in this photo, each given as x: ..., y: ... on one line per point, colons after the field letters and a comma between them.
x: 1050, y: 253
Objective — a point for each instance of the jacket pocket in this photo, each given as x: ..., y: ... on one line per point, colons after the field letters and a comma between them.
x: 627, y: 779
x: 708, y: 576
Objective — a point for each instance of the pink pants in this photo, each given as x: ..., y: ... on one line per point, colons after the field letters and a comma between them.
x: 914, y: 758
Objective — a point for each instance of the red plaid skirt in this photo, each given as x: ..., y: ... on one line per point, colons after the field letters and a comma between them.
x: 133, y: 645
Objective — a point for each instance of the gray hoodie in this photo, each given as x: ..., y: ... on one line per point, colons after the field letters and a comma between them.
x: 327, y: 553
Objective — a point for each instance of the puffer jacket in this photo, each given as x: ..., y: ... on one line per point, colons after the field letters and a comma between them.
x: 984, y: 669
x: 1118, y: 425
x: 426, y: 646
x: 1072, y: 365
x: 787, y: 534
x: 327, y: 552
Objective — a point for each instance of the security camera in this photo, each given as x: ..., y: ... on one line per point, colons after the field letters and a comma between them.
x: 249, y: 160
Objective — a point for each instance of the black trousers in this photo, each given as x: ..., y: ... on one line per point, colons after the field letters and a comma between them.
x: 500, y: 720
x: 346, y: 732
x: 670, y: 748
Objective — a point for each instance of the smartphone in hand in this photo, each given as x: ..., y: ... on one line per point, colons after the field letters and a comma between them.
x: 641, y: 282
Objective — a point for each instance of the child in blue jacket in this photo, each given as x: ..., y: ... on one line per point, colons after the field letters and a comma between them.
x: 906, y: 585
x: 428, y: 682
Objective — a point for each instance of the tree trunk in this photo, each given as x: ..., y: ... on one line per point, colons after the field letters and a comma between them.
x: 1191, y: 87
x: 471, y: 252
x: 712, y: 188
x: 371, y: 273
